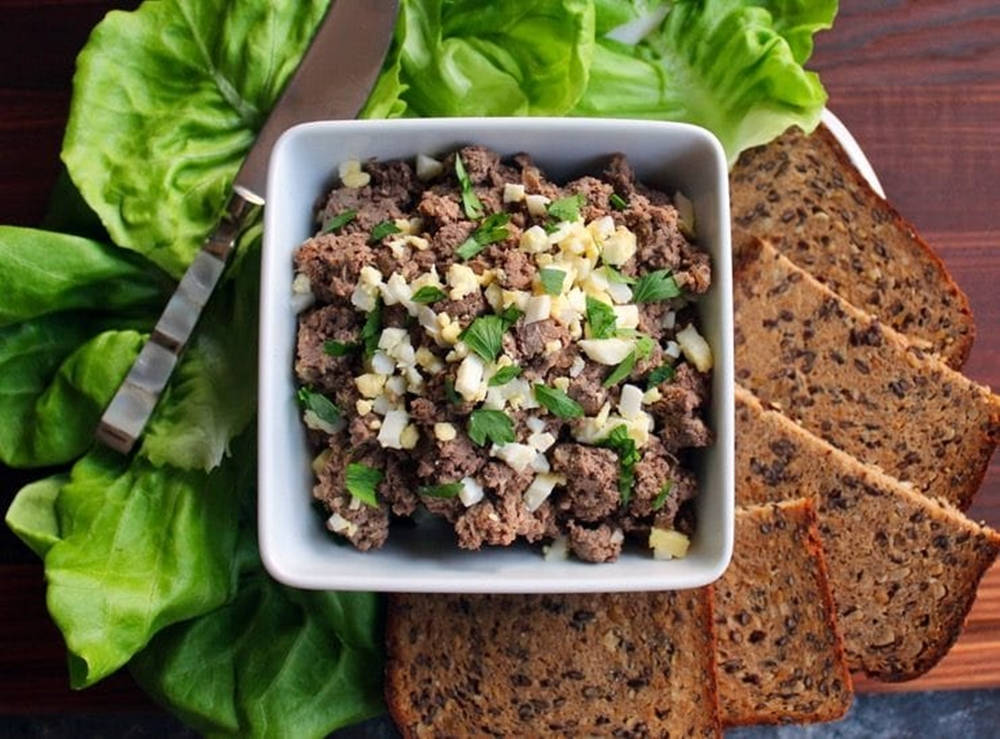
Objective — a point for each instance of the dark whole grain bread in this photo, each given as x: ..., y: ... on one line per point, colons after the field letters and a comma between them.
x: 779, y: 655
x: 624, y: 664
x: 803, y: 194
x: 856, y: 383
x: 903, y: 568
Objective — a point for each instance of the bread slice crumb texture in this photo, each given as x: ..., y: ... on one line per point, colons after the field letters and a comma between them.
x: 857, y: 383
x: 623, y: 664
x: 903, y: 567
x: 803, y: 194
x: 779, y: 654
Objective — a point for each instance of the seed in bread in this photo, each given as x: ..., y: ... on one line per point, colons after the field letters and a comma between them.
x: 803, y: 194
x: 552, y: 665
x: 856, y: 383
x: 779, y: 655
x: 903, y: 568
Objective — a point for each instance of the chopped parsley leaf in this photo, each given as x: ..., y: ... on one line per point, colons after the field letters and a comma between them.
x: 617, y: 201
x: 662, y: 496
x: 429, y: 294
x: 600, y: 318
x: 552, y: 280
x: 490, y: 424
x: 568, y: 208
x: 319, y: 404
x: 550, y: 227
x: 510, y: 314
x: 450, y: 394
x: 622, y: 370
x: 339, y: 348
x: 447, y: 490
x: 658, y: 285
x: 492, y: 229
x: 473, y: 207
x: 621, y: 443
x: 383, y: 229
x: 484, y: 336
x: 557, y: 401
x: 361, y: 481
x: 372, y: 329
x: 504, y: 375
x: 661, y: 374
x: 340, y: 220
x: 616, y: 277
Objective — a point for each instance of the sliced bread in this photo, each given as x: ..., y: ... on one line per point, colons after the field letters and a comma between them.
x: 856, y: 383
x: 803, y: 193
x: 557, y: 665
x: 903, y: 568
x: 779, y: 655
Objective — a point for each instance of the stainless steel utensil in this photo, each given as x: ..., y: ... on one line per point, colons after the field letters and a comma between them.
x: 333, y: 81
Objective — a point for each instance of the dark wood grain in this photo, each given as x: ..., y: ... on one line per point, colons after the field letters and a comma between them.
x: 918, y: 83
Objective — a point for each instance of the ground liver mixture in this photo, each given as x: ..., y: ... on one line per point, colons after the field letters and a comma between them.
x: 519, y: 358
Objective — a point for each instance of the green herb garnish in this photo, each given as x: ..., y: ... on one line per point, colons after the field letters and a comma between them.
x: 658, y: 285
x: 552, y: 280
x: 383, y: 229
x: 643, y: 348
x: 492, y: 229
x: 339, y: 348
x: 616, y: 277
x: 628, y: 457
x: 429, y: 294
x: 557, y: 401
x: 504, y: 375
x: 662, y: 496
x: 372, y: 329
x: 661, y: 374
x: 568, y: 208
x: 490, y: 424
x: 550, y: 227
x: 447, y: 490
x: 600, y: 318
x: 470, y: 203
x: 361, y: 481
x: 319, y: 404
x: 449, y: 392
x: 617, y: 201
x: 484, y: 335
x: 340, y: 220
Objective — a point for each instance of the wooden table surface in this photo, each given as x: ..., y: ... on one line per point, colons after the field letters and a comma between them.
x: 918, y: 83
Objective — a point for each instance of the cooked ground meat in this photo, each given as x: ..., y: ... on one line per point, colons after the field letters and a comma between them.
x: 602, y: 544
x: 591, y: 480
x: 406, y: 410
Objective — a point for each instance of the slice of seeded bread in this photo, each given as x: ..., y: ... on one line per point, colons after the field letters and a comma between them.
x: 803, y: 194
x: 903, y: 568
x: 557, y: 665
x: 856, y: 383
x: 779, y: 654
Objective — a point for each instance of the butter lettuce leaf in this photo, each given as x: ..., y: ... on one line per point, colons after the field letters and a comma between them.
x: 275, y: 661
x: 465, y: 57
x: 798, y: 21
x: 210, y: 398
x: 56, y: 378
x: 32, y: 514
x: 140, y: 548
x: 721, y: 64
x: 166, y: 103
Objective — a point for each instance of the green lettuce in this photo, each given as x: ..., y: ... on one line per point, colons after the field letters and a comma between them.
x: 468, y: 58
x: 166, y: 103
x: 721, y: 64
x: 56, y: 378
x: 32, y: 515
x: 799, y: 20
x: 210, y: 398
x: 273, y: 662
x: 609, y: 14
x: 140, y: 547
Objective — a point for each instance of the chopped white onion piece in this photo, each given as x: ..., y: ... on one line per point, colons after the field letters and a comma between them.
x: 389, y: 435
x: 668, y: 544
x: 669, y: 319
x: 340, y: 525
x: 537, y: 308
x: 537, y: 204
x: 619, y: 292
x: 557, y: 550
x: 540, y: 489
x: 469, y: 377
x: 513, y: 192
x: 630, y: 403
x: 626, y: 316
x: 672, y: 349
x: 540, y: 463
x: 517, y: 456
x: 382, y: 364
x: 535, y: 424
x: 579, y: 364
x: 428, y: 167
x: 695, y: 348
x: 471, y: 492
x: 606, y: 351
x: 541, y: 440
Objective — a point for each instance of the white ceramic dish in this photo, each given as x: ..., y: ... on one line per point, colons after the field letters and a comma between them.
x: 295, y: 547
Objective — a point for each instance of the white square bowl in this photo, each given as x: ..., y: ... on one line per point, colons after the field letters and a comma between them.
x: 295, y: 547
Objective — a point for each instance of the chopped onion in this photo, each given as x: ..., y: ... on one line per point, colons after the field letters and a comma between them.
x: 540, y: 489
x: 389, y: 435
x: 428, y: 167
x: 471, y: 492
x: 606, y: 351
